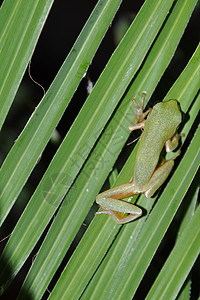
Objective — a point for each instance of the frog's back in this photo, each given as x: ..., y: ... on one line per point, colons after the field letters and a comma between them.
x: 159, y: 127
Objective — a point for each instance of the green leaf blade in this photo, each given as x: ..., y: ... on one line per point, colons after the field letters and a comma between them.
x: 30, y: 144
x: 18, y: 36
x: 179, y: 263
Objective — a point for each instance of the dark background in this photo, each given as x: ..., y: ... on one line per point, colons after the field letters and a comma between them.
x: 62, y: 27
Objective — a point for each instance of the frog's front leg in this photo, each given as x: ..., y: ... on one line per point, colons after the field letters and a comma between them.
x: 140, y: 115
x: 118, y: 209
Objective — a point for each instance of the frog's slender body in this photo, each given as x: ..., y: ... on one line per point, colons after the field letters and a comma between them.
x: 160, y: 127
x: 159, y: 130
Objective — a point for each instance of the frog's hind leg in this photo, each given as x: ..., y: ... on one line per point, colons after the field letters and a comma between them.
x: 121, y: 218
x: 159, y: 176
x: 121, y: 211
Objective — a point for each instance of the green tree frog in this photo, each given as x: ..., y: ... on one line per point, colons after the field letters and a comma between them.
x: 159, y: 130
